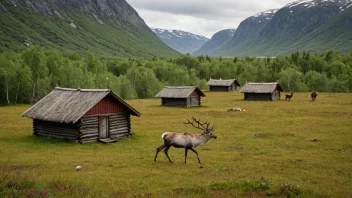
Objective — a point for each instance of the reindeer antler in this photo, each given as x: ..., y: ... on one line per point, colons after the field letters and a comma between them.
x: 199, y: 125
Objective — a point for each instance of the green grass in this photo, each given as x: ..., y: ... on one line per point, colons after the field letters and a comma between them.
x: 265, y: 151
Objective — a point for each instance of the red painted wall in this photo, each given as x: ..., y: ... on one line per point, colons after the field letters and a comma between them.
x: 106, y: 106
x: 195, y: 93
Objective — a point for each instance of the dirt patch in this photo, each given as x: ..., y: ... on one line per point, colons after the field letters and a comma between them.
x: 36, y: 193
x: 63, y: 188
x: 254, y: 194
x: 261, y: 135
x: 19, y: 167
x: 118, y: 194
x: 287, y: 134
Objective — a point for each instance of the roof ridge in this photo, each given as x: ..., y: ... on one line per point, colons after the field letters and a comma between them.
x: 82, y: 90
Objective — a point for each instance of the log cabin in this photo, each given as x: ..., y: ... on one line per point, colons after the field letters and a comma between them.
x: 184, y: 96
x: 262, y: 91
x: 82, y: 115
x: 223, y: 85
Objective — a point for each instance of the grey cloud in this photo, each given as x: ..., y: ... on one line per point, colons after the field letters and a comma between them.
x: 201, y: 16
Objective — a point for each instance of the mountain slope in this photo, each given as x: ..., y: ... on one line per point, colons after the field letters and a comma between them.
x: 181, y: 41
x: 216, y: 41
x: 335, y: 34
x: 283, y: 34
x: 106, y: 27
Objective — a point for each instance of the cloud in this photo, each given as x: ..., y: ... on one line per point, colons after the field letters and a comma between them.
x: 204, y: 17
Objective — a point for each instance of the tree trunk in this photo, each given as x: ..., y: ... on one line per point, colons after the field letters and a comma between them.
x: 7, y: 90
x: 18, y: 89
x: 33, y: 92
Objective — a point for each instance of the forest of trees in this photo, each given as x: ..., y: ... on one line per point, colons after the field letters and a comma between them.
x: 28, y: 76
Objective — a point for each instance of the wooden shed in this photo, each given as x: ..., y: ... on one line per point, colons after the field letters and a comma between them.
x: 223, y: 85
x: 81, y: 115
x: 261, y: 91
x: 185, y: 96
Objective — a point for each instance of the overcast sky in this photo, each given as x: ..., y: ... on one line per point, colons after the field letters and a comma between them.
x: 203, y: 17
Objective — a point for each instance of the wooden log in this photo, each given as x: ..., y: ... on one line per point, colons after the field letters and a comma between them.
x: 119, y: 122
x: 89, y: 126
x: 56, y: 134
x: 118, y: 126
x: 89, y: 135
x: 57, y: 129
x: 89, y: 131
x: 118, y: 118
x: 119, y: 132
x: 90, y: 141
x: 118, y: 129
x: 92, y: 132
x: 119, y: 136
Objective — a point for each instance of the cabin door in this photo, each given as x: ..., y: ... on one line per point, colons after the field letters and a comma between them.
x: 103, y: 127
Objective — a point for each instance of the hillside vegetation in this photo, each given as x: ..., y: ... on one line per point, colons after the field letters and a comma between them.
x: 77, y: 32
x: 314, y: 26
x: 278, y: 149
x: 29, y: 76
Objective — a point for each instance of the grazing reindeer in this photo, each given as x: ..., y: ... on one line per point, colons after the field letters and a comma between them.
x: 314, y: 95
x: 186, y: 140
x: 289, y: 96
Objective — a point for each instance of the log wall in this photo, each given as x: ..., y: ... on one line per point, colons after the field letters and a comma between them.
x: 174, y: 102
x: 89, y: 129
x: 56, y: 130
x: 219, y: 88
x: 258, y: 96
x: 119, y: 125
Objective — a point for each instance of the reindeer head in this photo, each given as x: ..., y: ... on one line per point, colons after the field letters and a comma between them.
x: 202, y: 126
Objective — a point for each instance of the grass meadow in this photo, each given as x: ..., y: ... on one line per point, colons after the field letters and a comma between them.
x: 275, y: 148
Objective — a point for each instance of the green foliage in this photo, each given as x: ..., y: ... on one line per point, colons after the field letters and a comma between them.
x: 112, y: 38
x: 28, y: 76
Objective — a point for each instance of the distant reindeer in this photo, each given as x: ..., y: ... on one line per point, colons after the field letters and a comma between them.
x: 314, y: 95
x: 289, y: 96
x: 186, y: 140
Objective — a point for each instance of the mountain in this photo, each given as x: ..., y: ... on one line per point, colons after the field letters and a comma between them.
x: 181, y: 41
x: 335, y: 34
x: 292, y: 28
x: 216, y: 41
x: 106, y: 27
x: 251, y: 26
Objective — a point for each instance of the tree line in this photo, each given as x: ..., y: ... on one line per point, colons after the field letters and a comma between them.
x: 28, y: 76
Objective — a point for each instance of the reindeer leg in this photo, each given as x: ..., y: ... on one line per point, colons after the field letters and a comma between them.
x: 158, y: 150
x: 167, y: 155
x: 186, y: 150
x: 192, y: 149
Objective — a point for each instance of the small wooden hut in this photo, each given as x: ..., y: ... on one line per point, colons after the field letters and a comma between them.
x: 185, y: 96
x: 223, y: 85
x: 81, y: 115
x: 261, y: 91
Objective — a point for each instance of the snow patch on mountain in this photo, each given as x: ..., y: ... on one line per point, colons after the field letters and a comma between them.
x: 266, y: 13
x: 342, y: 4
x: 178, y: 33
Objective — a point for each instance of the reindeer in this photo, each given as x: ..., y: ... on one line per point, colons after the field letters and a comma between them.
x: 314, y: 95
x: 186, y: 140
x: 289, y: 96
